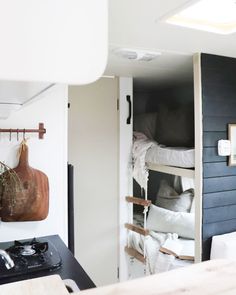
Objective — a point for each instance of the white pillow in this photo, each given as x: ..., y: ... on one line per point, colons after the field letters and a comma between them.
x: 182, y: 203
x: 163, y: 220
x: 169, y: 199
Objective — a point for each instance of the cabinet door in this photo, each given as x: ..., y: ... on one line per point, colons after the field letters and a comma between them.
x: 93, y: 150
x: 125, y: 166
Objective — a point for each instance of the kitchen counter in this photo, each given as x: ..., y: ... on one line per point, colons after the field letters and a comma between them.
x: 70, y: 268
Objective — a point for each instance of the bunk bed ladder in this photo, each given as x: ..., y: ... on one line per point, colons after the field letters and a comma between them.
x: 140, y: 230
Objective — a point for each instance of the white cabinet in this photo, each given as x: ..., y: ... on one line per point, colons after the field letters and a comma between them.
x: 53, y: 41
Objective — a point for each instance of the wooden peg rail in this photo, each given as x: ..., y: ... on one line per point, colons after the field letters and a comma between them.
x: 41, y: 131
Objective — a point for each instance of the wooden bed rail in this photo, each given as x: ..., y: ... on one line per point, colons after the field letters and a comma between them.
x: 138, y: 201
x: 137, y: 229
x: 134, y: 253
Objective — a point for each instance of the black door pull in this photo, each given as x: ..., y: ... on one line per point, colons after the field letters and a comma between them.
x: 128, y: 98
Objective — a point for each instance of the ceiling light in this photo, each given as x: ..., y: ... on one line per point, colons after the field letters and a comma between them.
x: 136, y: 54
x: 217, y: 16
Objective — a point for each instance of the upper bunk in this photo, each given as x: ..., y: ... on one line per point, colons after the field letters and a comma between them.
x: 171, y: 160
x: 164, y: 127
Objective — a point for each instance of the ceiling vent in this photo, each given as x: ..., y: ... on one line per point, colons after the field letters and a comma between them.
x: 136, y: 54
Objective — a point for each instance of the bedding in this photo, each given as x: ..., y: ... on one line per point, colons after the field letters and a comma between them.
x: 145, y: 150
x: 168, y: 198
x: 166, y: 221
x: 171, y: 156
x: 141, y: 144
x: 156, y: 261
x: 182, y: 203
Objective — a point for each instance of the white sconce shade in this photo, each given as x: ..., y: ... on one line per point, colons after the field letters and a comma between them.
x: 63, y: 41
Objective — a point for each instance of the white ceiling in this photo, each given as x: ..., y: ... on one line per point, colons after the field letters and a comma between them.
x: 139, y: 24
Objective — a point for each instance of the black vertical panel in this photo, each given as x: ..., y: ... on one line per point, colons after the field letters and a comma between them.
x: 71, y: 245
x: 219, y: 180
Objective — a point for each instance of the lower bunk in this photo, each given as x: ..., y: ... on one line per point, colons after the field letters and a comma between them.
x: 159, y: 251
x: 161, y: 238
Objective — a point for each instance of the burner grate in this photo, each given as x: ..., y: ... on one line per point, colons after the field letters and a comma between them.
x: 32, y: 247
x: 31, y: 256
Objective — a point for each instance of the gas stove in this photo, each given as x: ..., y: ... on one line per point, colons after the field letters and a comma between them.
x: 31, y: 256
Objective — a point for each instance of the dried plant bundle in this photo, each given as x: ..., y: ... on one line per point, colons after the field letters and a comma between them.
x: 10, y: 187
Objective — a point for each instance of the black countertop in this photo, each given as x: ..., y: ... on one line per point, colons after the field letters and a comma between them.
x: 70, y: 268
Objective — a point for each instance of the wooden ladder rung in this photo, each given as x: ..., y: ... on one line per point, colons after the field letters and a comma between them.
x: 137, y: 229
x: 138, y: 201
x: 134, y: 253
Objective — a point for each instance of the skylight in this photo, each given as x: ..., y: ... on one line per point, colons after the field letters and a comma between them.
x: 217, y: 16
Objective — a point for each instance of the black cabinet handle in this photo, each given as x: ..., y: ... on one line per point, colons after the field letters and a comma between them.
x: 128, y: 98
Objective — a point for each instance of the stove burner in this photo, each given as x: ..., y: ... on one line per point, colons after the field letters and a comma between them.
x: 31, y: 256
x: 27, y: 250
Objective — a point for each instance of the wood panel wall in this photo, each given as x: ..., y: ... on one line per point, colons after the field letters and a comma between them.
x: 219, y: 180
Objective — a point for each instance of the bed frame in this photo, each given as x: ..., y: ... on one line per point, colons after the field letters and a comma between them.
x: 184, y: 172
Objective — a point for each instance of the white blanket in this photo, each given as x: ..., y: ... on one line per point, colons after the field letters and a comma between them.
x: 140, y: 147
x: 156, y: 261
x: 145, y: 150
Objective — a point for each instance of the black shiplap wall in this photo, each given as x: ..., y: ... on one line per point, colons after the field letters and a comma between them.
x: 219, y: 180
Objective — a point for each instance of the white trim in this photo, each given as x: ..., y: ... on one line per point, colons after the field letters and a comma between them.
x: 125, y: 173
x: 198, y: 155
x: 189, y: 173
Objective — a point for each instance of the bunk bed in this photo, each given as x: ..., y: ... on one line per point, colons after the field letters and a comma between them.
x: 144, y: 244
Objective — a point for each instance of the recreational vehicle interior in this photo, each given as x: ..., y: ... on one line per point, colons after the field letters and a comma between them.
x: 153, y: 188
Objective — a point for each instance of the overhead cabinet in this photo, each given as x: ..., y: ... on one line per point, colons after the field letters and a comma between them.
x: 51, y: 41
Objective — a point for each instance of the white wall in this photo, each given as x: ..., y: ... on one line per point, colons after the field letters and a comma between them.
x: 48, y: 155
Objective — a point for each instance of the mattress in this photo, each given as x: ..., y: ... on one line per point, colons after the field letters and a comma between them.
x: 178, y: 157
